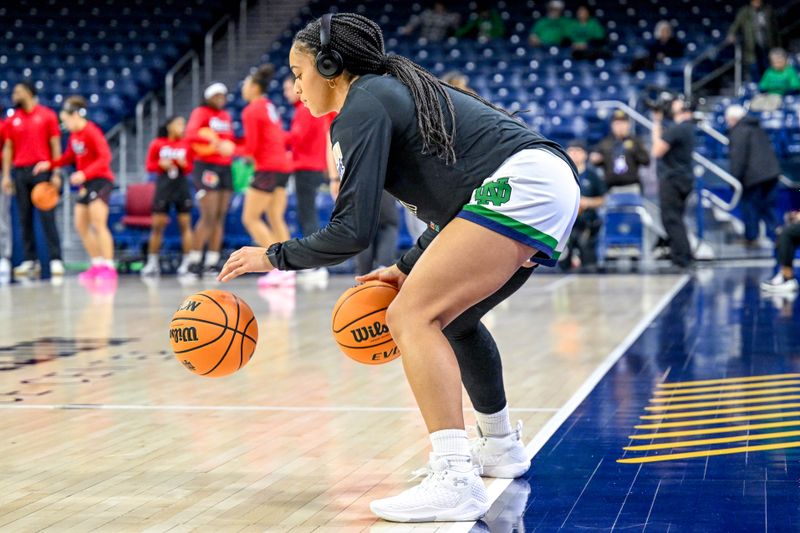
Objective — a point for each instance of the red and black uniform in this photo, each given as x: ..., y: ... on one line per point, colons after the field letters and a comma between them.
x: 308, y: 139
x: 265, y: 142
x: 88, y: 150
x: 172, y: 185
x: 30, y: 134
x: 212, y: 171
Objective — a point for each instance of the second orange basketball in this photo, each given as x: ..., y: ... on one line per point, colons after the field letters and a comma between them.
x: 359, y: 324
x: 44, y: 196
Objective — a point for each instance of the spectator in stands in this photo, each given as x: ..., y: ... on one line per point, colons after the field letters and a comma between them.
x: 457, y: 80
x: 265, y: 143
x: 6, y: 236
x: 582, y: 245
x: 309, y: 140
x: 664, y: 45
x: 170, y: 159
x: 586, y: 35
x: 754, y: 163
x: 673, y: 148
x: 435, y: 24
x: 621, y: 155
x: 32, y: 134
x: 758, y: 26
x: 788, y: 243
x: 552, y: 29
x: 88, y: 151
x: 382, y: 251
x: 486, y: 24
x: 210, y: 134
x: 781, y: 77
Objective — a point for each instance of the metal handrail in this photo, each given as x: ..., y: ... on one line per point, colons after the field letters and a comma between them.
x: 789, y: 182
x: 169, y: 80
x: 150, y: 98
x: 208, y: 45
x: 706, y: 163
x: 710, y: 53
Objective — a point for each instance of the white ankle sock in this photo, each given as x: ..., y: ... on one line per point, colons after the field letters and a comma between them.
x: 109, y: 263
x: 98, y: 261
x: 152, y: 259
x: 186, y: 259
x: 452, y: 444
x: 212, y: 258
x: 195, y: 256
x: 496, y: 424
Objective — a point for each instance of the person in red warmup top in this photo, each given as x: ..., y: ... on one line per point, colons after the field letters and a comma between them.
x: 170, y: 158
x: 265, y: 145
x: 210, y: 135
x: 88, y: 151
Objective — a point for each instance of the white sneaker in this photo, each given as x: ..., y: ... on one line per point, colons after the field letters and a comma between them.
x: 449, y: 493
x: 183, y: 269
x: 780, y: 285
x: 56, y: 268
x: 27, y: 268
x: 151, y: 269
x: 313, y: 278
x: 5, y: 270
x: 502, y: 457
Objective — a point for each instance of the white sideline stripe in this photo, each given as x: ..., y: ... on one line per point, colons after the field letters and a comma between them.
x: 276, y: 408
x: 496, y: 487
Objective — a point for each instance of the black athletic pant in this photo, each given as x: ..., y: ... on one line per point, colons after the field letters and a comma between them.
x: 24, y: 181
x: 476, y: 351
x: 306, y: 183
x: 672, y: 195
x: 788, y: 242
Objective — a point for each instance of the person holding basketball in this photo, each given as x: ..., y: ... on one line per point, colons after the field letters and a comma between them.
x: 499, y: 199
x: 88, y: 150
x: 210, y: 134
x: 170, y: 158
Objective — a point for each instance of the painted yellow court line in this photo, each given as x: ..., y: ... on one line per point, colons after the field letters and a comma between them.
x: 690, y: 405
x: 729, y: 429
x: 719, y: 440
x: 727, y: 411
x: 718, y: 395
x: 744, y: 386
x: 684, y: 384
x: 724, y: 420
x: 709, y: 453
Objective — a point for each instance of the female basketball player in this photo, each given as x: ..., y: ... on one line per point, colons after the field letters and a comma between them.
x: 498, y: 199
x: 170, y: 157
x: 265, y: 144
x: 210, y: 135
x: 88, y: 150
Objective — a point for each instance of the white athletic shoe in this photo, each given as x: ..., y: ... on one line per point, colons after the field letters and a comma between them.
x: 5, y: 270
x: 27, y: 268
x: 151, y: 269
x: 56, y: 268
x: 183, y: 268
x: 315, y: 278
x: 502, y: 457
x: 779, y: 284
x: 450, y: 492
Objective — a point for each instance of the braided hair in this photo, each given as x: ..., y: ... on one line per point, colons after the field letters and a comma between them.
x: 359, y: 41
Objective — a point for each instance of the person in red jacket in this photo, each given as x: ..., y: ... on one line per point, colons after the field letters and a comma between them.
x: 5, y: 217
x: 170, y: 158
x: 265, y: 145
x: 88, y: 151
x: 210, y: 135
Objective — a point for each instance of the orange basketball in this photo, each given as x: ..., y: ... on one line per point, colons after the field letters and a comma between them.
x: 44, y: 196
x: 213, y: 333
x: 359, y: 323
x: 203, y: 149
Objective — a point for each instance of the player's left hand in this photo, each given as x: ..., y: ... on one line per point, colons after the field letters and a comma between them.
x: 391, y: 275
x: 77, y: 178
x: 244, y: 260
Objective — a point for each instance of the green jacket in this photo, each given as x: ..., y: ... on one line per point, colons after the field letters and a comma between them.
x: 579, y: 33
x: 491, y: 27
x: 551, y: 31
x: 746, y: 24
x: 780, y: 81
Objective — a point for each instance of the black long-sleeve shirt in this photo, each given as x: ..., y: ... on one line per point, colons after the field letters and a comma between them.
x: 377, y: 145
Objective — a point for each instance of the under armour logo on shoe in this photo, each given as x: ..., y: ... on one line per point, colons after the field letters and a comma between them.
x: 460, y: 481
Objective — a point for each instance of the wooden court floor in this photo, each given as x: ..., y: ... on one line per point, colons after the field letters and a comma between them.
x: 104, y: 430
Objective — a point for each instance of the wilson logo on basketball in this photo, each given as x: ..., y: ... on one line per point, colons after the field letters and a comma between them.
x: 369, y: 332
x: 188, y: 364
x: 189, y: 306
x: 187, y: 334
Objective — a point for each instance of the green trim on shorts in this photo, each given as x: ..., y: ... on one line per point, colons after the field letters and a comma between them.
x: 516, y: 225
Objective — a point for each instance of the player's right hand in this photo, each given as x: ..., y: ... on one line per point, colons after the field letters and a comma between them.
x: 42, y: 166
x: 8, y: 186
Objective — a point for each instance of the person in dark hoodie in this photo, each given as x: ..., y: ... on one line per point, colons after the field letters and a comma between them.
x: 754, y: 163
x: 621, y: 154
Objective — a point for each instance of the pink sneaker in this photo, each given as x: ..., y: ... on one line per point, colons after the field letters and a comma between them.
x: 89, y: 275
x: 278, y: 278
x: 106, y: 273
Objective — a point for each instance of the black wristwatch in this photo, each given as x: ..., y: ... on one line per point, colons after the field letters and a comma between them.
x: 272, y: 253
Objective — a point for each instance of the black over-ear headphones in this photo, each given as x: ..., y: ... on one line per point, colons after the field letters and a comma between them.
x: 329, y: 62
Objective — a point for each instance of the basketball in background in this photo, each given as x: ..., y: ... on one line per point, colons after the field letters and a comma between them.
x: 44, y: 196
x: 213, y: 333
x: 359, y: 325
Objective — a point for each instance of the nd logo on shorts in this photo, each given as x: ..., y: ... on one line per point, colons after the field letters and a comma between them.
x: 210, y: 178
x: 496, y: 192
